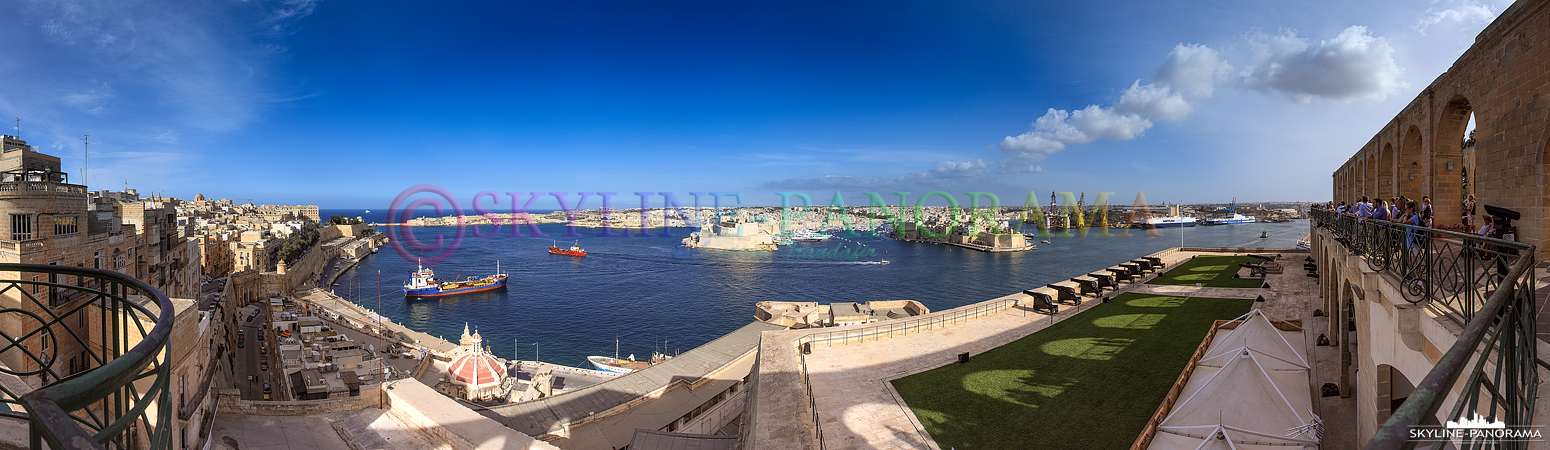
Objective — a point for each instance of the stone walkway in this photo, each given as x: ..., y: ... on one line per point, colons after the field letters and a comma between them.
x: 858, y: 407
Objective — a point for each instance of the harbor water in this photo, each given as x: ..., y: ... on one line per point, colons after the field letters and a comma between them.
x: 654, y: 295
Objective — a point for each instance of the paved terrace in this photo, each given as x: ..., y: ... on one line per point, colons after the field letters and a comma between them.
x: 857, y: 407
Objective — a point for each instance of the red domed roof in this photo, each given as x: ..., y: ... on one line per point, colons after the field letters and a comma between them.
x: 477, y: 368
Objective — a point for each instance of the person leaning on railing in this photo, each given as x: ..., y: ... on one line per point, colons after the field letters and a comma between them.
x: 1415, y: 239
x: 1379, y: 212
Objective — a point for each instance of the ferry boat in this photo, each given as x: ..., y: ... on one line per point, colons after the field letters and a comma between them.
x: 425, y: 284
x: 1166, y: 222
x: 622, y: 366
x: 574, y: 250
x: 1231, y: 216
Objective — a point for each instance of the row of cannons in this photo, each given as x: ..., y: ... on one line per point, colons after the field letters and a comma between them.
x: 1093, y: 283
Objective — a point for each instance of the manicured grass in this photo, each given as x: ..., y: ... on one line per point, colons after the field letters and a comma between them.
x: 1210, y: 271
x: 1088, y: 382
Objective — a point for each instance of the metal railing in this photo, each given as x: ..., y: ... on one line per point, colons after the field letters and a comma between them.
x: 1449, y: 272
x: 1486, y: 286
x: 113, y: 393
x: 903, y: 327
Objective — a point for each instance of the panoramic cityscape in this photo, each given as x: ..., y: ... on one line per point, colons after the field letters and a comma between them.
x: 311, y: 225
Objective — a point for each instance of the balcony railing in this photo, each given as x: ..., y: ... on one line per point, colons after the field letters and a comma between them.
x: 115, y: 335
x: 1484, y: 285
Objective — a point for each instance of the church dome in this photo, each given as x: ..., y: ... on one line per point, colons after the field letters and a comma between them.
x: 476, y: 367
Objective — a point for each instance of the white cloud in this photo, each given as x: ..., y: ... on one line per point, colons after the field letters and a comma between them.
x: 1468, y: 12
x: 1354, y: 65
x: 1153, y: 101
x: 1192, y: 69
x: 1058, y: 127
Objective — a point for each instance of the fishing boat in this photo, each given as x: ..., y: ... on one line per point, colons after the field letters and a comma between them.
x: 425, y: 284
x: 1231, y: 216
x: 574, y: 250
x: 621, y: 366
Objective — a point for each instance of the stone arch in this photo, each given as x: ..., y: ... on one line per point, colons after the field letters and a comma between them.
x: 1410, y: 175
x: 1447, y: 161
x: 1370, y: 187
x: 1393, y: 387
x: 1386, y: 163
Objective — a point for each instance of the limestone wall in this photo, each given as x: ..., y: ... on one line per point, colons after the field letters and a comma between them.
x: 229, y: 403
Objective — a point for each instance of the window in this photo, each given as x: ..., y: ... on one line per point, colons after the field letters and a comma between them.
x: 21, y: 227
x: 65, y: 225
x: 45, y: 338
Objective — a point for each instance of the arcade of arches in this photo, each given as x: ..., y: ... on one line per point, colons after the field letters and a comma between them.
x: 1502, y: 82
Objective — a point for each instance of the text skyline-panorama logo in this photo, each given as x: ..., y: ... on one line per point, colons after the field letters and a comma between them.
x: 518, y: 222
x: 1476, y: 429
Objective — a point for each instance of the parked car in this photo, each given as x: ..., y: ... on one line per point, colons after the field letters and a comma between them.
x: 263, y: 349
x: 241, y: 342
x: 263, y: 365
x: 266, y: 391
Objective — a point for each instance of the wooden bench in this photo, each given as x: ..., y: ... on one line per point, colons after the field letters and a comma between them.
x: 1104, y: 280
x: 1255, y: 270
x: 1066, y: 294
x: 1085, y: 286
x: 1120, y: 274
x: 1041, y: 302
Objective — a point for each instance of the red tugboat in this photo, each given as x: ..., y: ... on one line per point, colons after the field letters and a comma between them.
x: 574, y: 250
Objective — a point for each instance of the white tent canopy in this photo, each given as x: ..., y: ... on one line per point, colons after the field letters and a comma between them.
x: 1249, y: 391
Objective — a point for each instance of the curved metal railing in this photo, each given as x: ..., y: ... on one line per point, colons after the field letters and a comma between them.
x: 1451, y: 273
x: 1483, y: 284
x: 97, y: 342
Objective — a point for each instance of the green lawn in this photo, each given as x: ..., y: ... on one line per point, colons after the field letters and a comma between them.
x: 1088, y: 382
x: 1210, y: 271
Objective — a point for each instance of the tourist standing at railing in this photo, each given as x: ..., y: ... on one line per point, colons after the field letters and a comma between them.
x: 1363, y: 209
x: 1414, y: 237
x: 1340, y: 209
x: 1469, y: 212
x: 1379, y: 212
x: 1426, y: 211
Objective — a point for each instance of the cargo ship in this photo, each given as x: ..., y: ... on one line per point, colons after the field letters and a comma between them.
x: 574, y: 250
x: 1230, y: 216
x: 424, y: 284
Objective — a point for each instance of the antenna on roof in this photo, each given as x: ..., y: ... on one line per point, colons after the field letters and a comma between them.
x: 18, y: 127
x: 86, y: 152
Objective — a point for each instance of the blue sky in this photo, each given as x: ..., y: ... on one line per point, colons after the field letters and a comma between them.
x: 345, y: 104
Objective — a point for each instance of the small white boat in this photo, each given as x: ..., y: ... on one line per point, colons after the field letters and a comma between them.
x: 617, y: 365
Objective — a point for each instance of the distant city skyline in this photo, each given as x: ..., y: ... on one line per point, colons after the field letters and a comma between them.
x: 346, y: 104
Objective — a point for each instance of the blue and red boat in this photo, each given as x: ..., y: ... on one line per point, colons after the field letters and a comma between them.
x: 425, y: 284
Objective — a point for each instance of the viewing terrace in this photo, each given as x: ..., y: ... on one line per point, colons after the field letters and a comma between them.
x: 1454, y: 311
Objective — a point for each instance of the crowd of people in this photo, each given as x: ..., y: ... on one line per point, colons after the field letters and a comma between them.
x: 1397, y: 209
x: 1403, y: 210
